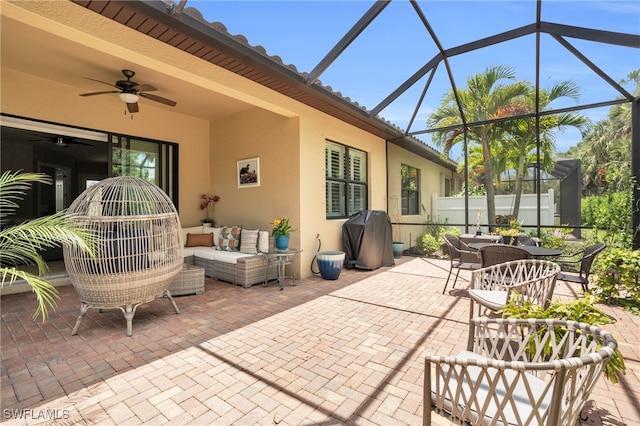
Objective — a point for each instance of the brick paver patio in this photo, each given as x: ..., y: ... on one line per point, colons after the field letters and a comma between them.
x: 348, y: 351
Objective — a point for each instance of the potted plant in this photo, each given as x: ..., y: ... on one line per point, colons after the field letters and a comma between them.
x: 281, y: 231
x: 510, y: 235
x: 479, y: 216
x: 208, y: 203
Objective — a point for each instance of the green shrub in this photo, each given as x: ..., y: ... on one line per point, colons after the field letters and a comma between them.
x: 451, y: 230
x: 434, y: 226
x: 426, y: 244
x: 618, y: 270
x: 580, y: 310
x: 557, y: 239
x: 611, y: 212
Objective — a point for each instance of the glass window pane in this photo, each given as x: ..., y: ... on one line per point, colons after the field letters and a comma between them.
x: 410, y: 190
x: 140, y: 160
x: 357, y: 198
x: 334, y: 160
x: 346, y: 190
x: 358, y: 165
x: 335, y: 199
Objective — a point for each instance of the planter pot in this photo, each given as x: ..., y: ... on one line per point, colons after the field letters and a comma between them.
x: 282, y: 242
x: 398, y: 248
x: 330, y: 264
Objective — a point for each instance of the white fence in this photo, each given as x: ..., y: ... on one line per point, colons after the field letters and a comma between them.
x: 451, y: 209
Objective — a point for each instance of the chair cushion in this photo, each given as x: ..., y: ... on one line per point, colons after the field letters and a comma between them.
x: 572, y: 278
x: 520, y: 395
x: 467, y: 266
x: 492, y: 299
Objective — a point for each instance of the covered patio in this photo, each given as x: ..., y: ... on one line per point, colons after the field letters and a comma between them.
x: 349, y: 351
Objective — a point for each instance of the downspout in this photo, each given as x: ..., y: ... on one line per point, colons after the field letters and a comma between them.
x: 386, y: 165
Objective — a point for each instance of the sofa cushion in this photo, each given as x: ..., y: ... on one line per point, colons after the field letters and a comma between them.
x: 230, y: 238
x: 249, y: 241
x: 211, y: 253
x: 195, y: 240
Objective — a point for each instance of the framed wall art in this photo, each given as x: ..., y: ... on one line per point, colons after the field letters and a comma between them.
x: 248, y: 172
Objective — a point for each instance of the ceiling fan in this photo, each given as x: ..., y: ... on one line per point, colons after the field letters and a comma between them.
x: 129, y: 92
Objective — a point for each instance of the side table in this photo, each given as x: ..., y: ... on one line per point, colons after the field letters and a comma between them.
x: 282, y: 258
x: 189, y: 281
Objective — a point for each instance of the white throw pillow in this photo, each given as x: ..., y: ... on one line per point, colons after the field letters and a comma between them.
x: 214, y: 231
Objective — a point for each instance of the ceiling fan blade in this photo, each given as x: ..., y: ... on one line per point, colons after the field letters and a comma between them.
x: 99, y: 93
x: 158, y: 99
x: 132, y: 108
x: 100, y: 81
x: 145, y: 88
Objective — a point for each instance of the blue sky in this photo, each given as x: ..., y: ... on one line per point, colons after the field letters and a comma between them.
x: 396, y: 45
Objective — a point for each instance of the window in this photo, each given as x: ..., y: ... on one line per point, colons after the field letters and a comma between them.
x: 410, y: 190
x: 346, y: 180
x: 153, y: 161
x: 76, y: 158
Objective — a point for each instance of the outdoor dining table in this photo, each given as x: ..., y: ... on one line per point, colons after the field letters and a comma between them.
x: 535, y: 251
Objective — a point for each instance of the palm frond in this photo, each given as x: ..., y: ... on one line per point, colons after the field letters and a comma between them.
x: 13, y: 187
x: 46, y: 293
x: 22, y: 244
x: 45, y: 232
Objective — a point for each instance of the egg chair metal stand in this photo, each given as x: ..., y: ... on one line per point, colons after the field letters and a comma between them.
x: 139, y: 247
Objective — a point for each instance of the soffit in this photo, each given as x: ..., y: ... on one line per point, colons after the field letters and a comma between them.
x: 212, y: 43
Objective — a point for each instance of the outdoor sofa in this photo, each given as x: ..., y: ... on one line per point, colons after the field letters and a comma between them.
x: 229, y: 253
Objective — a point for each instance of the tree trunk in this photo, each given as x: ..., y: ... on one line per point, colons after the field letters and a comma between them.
x: 518, y: 190
x: 488, y: 183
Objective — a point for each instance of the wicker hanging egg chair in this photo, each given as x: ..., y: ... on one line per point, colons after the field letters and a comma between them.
x: 140, y: 246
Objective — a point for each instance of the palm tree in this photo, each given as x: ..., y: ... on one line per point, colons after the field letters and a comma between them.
x: 475, y: 162
x: 523, y: 134
x: 605, y: 150
x: 482, y: 100
x: 20, y: 244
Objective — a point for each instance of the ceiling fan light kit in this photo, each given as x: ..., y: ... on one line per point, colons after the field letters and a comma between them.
x: 129, y: 98
x: 130, y: 92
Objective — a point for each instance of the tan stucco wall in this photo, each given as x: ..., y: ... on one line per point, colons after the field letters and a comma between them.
x: 432, y: 178
x: 288, y: 137
x: 316, y: 128
x: 274, y: 140
x: 54, y: 104
x: 292, y: 174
